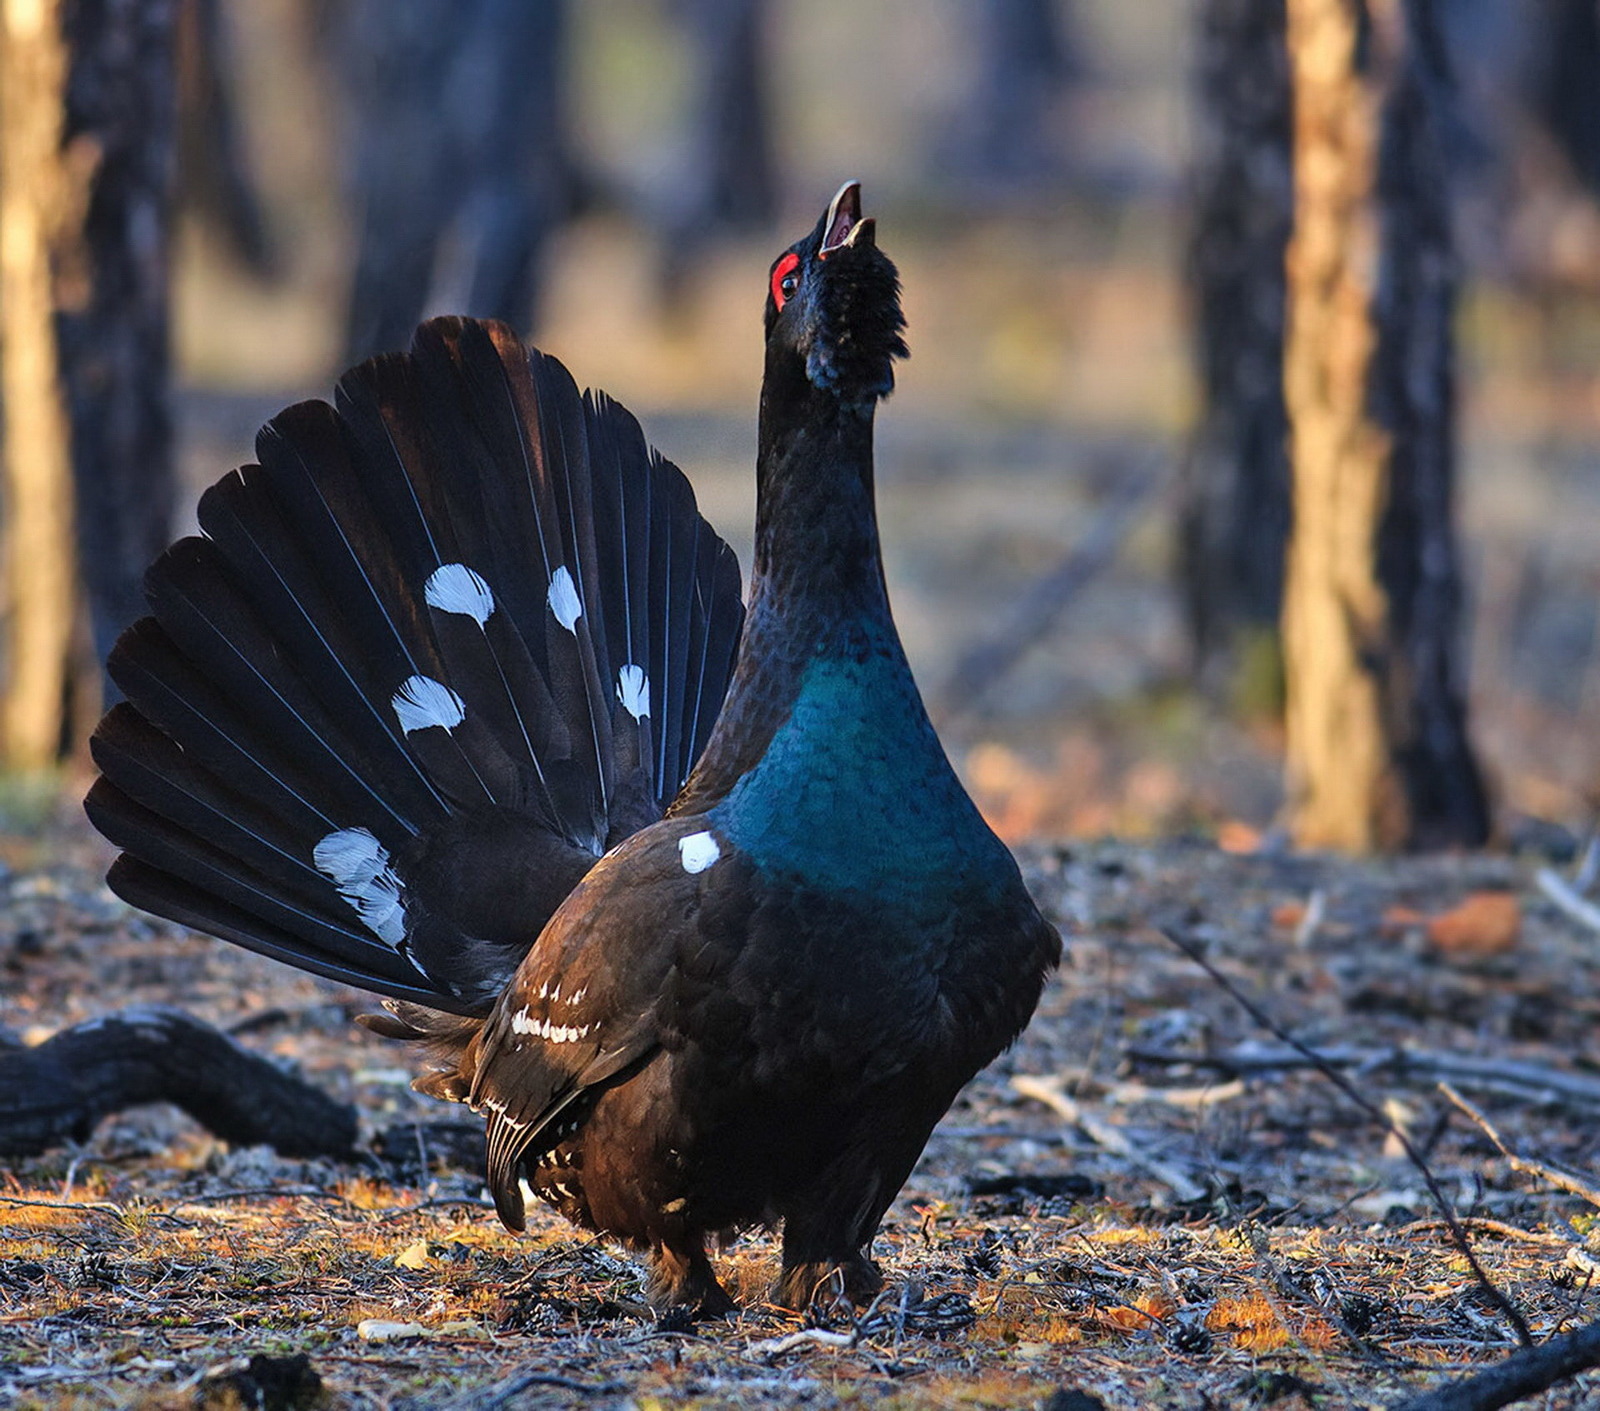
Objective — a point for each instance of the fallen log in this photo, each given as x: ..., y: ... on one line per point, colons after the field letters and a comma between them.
x: 58, y: 1090
x: 1521, y: 1375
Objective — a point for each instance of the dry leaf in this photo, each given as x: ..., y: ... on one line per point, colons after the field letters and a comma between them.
x: 414, y: 1256
x: 1237, y: 837
x: 1147, y: 1311
x: 1485, y: 924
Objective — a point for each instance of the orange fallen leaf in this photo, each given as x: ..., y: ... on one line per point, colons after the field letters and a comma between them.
x: 1288, y: 916
x: 1485, y: 924
x: 1237, y: 837
x: 1147, y: 1311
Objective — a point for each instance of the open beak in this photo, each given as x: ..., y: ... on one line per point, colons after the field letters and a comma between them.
x: 844, y: 226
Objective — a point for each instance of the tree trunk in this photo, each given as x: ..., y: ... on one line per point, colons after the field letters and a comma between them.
x: 1377, y: 750
x: 38, y: 201
x: 1234, y: 524
x: 85, y: 179
x: 395, y: 63
x: 730, y: 181
x: 112, y: 319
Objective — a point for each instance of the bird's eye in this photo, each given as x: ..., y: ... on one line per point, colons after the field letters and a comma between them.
x: 785, y: 279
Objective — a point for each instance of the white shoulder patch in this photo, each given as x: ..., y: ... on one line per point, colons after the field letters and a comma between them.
x: 423, y: 702
x: 453, y: 587
x: 633, y: 690
x: 698, y: 851
x: 564, y: 600
x: 358, y: 865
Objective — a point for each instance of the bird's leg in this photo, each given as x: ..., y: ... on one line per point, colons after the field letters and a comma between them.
x: 681, y: 1277
x: 825, y: 1241
x: 823, y: 1253
x: 800, y: 1282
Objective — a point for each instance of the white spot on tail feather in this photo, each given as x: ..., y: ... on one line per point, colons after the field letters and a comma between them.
x: 698, y: 851
x: 633, y: 690
x: 358, y: 865
x: 453, y: 587
x: 564, y: 600
x: 423, y: 702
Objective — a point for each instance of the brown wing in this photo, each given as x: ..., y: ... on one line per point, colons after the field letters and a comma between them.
x: 585, y: 1005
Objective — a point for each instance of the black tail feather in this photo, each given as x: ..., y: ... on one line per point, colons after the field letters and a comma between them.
x: 464, y: 613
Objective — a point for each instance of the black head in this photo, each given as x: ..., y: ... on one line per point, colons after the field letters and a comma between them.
x: 833, y: 301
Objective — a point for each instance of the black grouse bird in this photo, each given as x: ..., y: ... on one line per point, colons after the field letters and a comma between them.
x: 455, y: 701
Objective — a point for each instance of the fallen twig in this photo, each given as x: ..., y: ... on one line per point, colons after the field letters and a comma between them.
x: 86, y: 1207
x: 1524, y: 1373
x: 1561, y: 1180
x: 1530, y: 1081
x: 820, y: 1337
x: 1050, y: 1093
x: 1458, y: 1236
x: 1568, y: 899
x: 1484, y: 1225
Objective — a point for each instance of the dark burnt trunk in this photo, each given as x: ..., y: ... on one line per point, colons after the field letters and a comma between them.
x: 1235, y: 514
x: 112, y: 319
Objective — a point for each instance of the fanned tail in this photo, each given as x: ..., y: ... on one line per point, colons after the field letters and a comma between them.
x: 450, y: 639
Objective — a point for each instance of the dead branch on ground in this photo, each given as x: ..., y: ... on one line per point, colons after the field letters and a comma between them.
x: 58, y: 1090
x: 1520, y: 1375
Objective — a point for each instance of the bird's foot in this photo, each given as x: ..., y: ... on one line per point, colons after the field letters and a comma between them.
x: 682, y: 1286
x: 854, y: 1279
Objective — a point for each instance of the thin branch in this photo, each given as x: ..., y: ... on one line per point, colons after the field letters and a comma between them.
x: 1561, y: 1180
x: 820, y: 1337
x: 1530, y: 1081
x: 1113, y: 1139
x: 1511, y: 1312
x: 100, y: 1207
x: 1568, y: 899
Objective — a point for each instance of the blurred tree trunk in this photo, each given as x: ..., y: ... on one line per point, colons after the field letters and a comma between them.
x: 1378, y: 754
x: 1234, y: 523
x: 509, y: 100
x: 219, y: 179
x: 462, y: 169
x: 1565, y: 87
x: 730, y: 182
x: 85, y: 175
x: 36, y: 204
x: 112, y: 315
x: 396, y: 58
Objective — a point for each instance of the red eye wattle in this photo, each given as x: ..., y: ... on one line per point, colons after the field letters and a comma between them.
x: 785, y: 279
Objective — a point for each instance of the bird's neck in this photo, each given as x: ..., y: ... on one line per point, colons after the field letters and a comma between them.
x: 817, y: 557
x: 817, y: 590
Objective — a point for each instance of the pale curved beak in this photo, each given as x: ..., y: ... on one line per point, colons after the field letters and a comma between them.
x: 845, y: 226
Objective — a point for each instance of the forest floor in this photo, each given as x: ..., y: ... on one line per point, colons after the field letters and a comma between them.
x: 1149, y: 1200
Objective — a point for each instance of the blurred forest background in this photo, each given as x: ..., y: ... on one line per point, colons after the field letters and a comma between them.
x: 1076, y: 229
